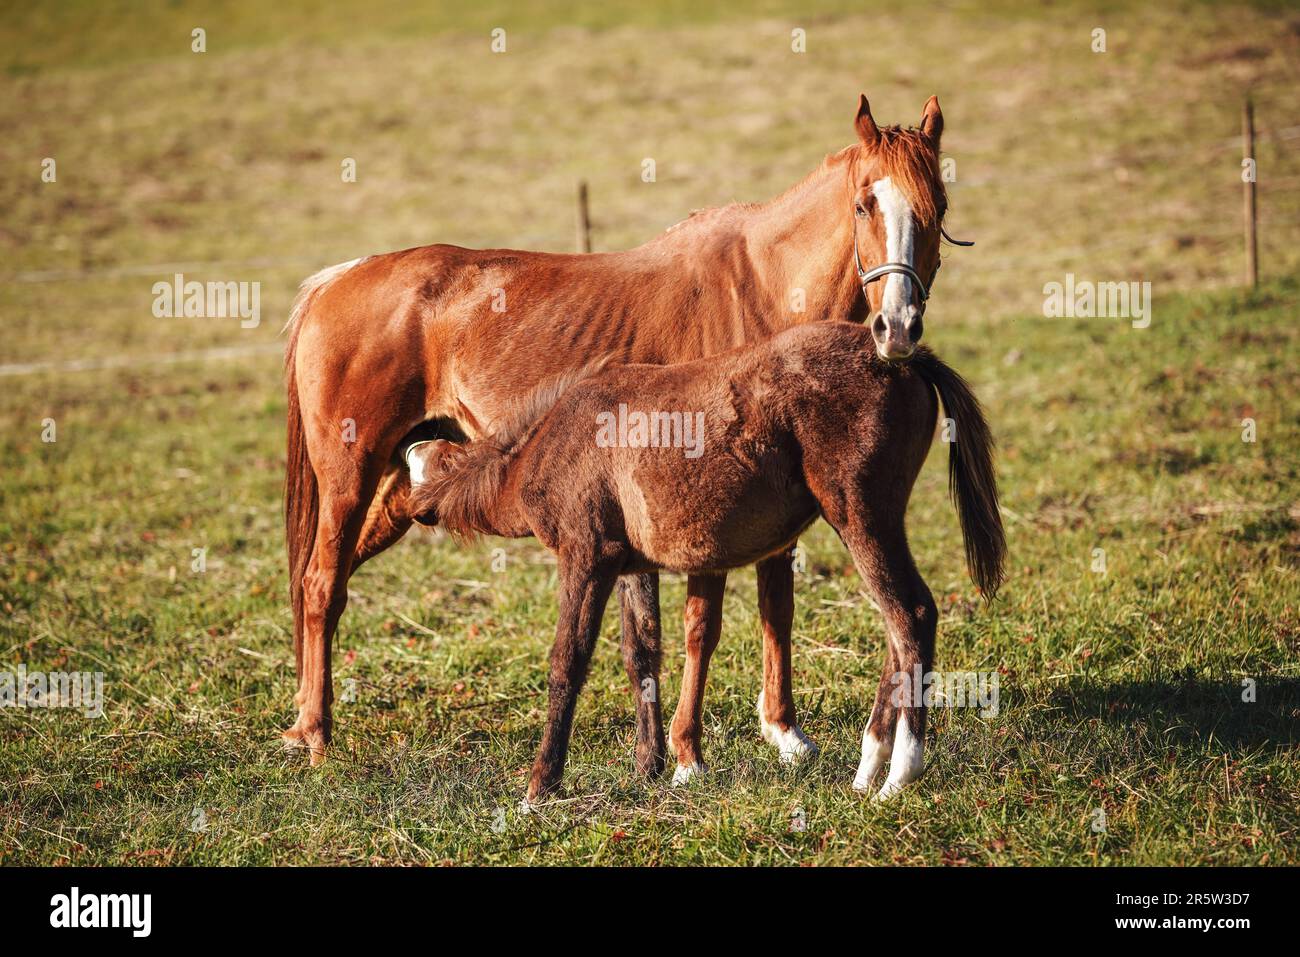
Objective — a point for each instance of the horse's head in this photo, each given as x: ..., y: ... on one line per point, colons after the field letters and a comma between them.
x: 898, y: 202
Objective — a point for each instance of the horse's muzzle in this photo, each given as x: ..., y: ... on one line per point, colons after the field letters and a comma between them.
x: 896, y: 339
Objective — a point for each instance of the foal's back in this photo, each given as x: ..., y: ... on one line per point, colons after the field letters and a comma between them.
x: 715, y: 464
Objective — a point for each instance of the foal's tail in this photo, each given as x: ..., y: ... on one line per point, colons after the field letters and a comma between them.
x: 971, y: 480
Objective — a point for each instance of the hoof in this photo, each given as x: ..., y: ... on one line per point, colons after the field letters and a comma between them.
x: 792, y: 744
x: 888, y: 792
x: 685, y: 773
x: 313, y: 740
x: 865, y: 782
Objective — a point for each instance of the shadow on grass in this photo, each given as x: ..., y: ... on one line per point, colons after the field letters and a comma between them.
x: 1194, y: 709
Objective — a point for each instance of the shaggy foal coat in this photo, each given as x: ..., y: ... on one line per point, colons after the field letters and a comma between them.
x: 810, y: 423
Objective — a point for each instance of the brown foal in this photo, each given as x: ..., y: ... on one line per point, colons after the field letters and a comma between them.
x: 441, y: 342
x: 810, y: 423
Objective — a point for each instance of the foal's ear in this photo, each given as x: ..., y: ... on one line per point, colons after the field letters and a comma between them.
x: 932, y: 120
x: 868, y: 132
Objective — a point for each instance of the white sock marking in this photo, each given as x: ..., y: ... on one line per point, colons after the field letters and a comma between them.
x: 907, y: 761
x: 792, y: 743
x: 874, y: 755
x: 685, y: 772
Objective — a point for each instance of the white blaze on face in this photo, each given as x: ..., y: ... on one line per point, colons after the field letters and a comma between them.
x: 900, y: 228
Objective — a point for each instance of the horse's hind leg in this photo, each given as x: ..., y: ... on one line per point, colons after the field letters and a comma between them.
x: 346, y: 488
x: 642, y: 654
x: 896, y: 729
x: 776, y: 715
x: 703, y: 628
x: 878, y: 735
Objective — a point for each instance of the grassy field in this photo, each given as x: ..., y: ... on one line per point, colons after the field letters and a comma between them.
x: 1121, y: 693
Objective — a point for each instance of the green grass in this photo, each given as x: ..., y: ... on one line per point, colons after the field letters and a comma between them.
x: 1120, y: 693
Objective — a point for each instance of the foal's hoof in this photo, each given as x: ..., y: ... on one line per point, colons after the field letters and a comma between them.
x: 541, y: 790
x: 864, y: 782
x: 888, y: 792
x: 685, y: 773
x: 792, y: 744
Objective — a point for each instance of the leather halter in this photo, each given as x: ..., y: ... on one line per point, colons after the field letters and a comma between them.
x: 868, y: 276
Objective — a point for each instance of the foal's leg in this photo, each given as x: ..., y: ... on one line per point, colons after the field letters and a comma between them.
x: 584, y: 590
x: 878, y: 735
x: 639, y: 597
x: 776, y: 715
x: 896, y: 729
x: 703, y: 627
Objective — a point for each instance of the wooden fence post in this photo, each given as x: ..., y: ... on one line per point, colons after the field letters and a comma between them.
x: 1251, y: 167
x: 584, y: 220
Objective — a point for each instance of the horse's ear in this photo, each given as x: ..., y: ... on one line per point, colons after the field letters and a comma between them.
x: 868, y: 132
x: 932, y: 120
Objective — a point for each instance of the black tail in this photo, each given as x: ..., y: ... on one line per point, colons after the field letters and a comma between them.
x: 971, y: 480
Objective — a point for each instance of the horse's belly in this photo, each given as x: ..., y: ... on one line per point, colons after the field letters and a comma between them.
x: 716, y: 521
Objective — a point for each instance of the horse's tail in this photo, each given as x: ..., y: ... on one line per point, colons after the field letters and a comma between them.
x: 464, y: 484
x: 301, y: 501
x: 971, y: 479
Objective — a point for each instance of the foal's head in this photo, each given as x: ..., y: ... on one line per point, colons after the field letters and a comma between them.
x: 898, y: 204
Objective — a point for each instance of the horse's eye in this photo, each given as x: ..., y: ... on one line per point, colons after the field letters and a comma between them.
x: 860, y: 210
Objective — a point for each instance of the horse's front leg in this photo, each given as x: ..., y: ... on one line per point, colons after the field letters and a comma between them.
x: 776, y: 714
x: 642, y: 654
x: 584, y: 589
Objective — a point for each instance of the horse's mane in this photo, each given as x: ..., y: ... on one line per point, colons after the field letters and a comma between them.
x: 517, y: 425
x: 906, y: 155
x: 909, y: 158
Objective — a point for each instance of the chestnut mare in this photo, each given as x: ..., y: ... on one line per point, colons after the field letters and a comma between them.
x: 441, y: 341
x: 809, y: 423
